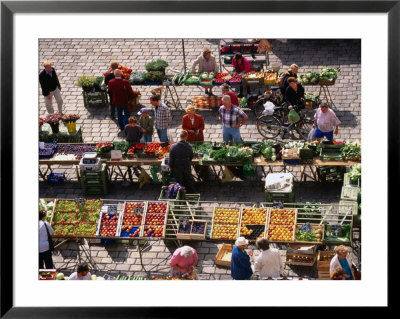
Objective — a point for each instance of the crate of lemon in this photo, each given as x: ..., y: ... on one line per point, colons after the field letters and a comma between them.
x: 225, y: 223
x: 253, y: 223
x: 282, y: 225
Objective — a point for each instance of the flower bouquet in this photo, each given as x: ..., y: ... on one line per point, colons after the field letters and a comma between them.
x: 126, y: 72
x: 54, y: 121
x: 70, y: 121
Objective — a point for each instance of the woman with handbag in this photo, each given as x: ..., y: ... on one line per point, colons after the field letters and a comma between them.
x: 45, y: 243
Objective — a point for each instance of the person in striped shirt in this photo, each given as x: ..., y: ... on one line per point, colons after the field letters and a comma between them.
x: 232, y: 118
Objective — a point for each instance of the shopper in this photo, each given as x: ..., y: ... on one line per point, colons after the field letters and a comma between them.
x: 51, y: 87
x: 45, y: 232
x: 133, y: 132
x: 241, y: 263
x: 180, y: 162
x: 121, y: 91
x: 183, y: 262
x: 241, y: 65
x: 194, y: 124
x: 268, y: 263
x: 325, y: 123
x: 110, y: 75
x: 146, y: 122
x: 206, y: 63
x: 225, y: 91
x: 294, y: 94
x: 232, y: 118
x: 292, y: 72
x: 82, y: 273
x: 342, y: 260
x: 162, y: 117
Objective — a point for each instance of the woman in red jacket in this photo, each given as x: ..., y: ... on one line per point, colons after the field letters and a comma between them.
x: 194, y: 124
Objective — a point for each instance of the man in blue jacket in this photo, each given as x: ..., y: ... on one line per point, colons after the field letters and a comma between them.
x: 240, y: 262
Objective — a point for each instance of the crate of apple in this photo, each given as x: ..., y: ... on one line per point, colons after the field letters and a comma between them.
x: 130, y: 231
x: 252, y: 232
x: 280, y: 233
x: 254, y: 216
x: 155, y: 219
x: 226, y: 216
x: 283, y: 217
x: 109, y: 219
x: 132, y: 219
x: 228, y: 232
x: 153, y: 231
x: 108, y: 230
x: 130, y: 208
x: 157, y: 207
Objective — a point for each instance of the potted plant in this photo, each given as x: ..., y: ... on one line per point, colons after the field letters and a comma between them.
x: 86, y: 82
x: 54, y: 121
x: 70, y: 121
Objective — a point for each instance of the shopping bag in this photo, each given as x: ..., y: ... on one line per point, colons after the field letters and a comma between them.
x: 171, y: 136
x: 248, y: 169
x: 310, y: 137
x: 227, y: 176
x: 144, y: 178
x: 268, y: 108
x: 293, y: 117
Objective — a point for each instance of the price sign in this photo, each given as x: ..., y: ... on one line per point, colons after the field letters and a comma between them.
x: 138, y: 210
x: 80, y: 201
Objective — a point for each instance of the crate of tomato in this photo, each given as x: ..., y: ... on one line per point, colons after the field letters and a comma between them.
x: 236, y: 79
x: 226, y: 49
x: 247, y: 48
x: 221, y: 78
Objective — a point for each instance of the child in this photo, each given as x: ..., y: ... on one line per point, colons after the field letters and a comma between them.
x: 146, y: 122
x: 338, y: 274
x: 133, y: 133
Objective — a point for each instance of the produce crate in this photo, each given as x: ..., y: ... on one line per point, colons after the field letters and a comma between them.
x: 246, y: 48
x: 295, y: 248
x: 56, y: 178
x: 314, y: 228
x: 226, y: 49
x: 350, y: 193
x: 46, y: 152
x: 229, y: 224
x: 92, y: 189
x: 330, y: 173
x: 324, y: 260
x: 344, y: 205
x: 296, y: 259
x: 184, y: 236
x: 163, y: 194
x: 95, y: 98
x: 330, y: 154
x: 306, y: 153
x: 251, y: 81
x: 199, y: 236
x: 47, y: 274
x: 117, y: 231
x: 292, y: 238
x: 284, y: 196
x: 291, y: 161
x: 254, y: 227
x: 324, y: 275
x: 224, y: 250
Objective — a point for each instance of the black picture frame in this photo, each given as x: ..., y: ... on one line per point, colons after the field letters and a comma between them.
x: 9, y: 8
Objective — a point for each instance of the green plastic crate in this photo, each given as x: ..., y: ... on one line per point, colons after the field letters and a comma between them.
x: 345, y: 204
x: 286, y: 197
x: 95, y: 98
x: 350, y: 193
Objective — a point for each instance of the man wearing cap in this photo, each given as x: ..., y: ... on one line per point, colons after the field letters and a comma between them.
x: 241, y: 263
x: 146, y: 122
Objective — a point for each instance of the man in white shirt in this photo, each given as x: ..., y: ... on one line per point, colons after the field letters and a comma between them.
x: 325, y: 121
x: 268, y: 263
x: 45, y: 258
x: 82, y: 273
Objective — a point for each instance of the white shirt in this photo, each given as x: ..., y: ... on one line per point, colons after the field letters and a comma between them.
x: 327, y: 121
x: 269, y: 264
x: 43, y: 239
x: 74, y: 276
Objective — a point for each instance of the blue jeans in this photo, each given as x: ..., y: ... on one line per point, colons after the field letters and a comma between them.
x: 147, y: 138
x: 122, y: 119
x: 162, y: 135
x: 231, y: 134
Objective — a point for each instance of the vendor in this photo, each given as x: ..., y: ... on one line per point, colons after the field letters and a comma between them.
x: 325, y: 123
x: 183, y: 262
x: 241, y: 65
x: 342, y: 260
x: 194, y: 124
x: 82, y: 273
x: 294, y: 94
x: 291, y: 73
x: 206, y: 63
x: 241, y: 268
x: 225, y: 91
x: 180, y: 162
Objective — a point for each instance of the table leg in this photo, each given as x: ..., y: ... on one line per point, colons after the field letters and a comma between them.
x: 129, y: 171
x: 121, y: 174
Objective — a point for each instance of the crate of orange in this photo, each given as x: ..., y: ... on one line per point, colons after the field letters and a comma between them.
x: 225, y: 223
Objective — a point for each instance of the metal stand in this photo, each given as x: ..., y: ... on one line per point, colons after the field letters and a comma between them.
x: 175, y: 100
x: 327, y: 95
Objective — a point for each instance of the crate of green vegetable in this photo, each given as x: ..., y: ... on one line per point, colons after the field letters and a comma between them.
x: 316, y: 234
x: 123, y: 146
x: 337, y: 234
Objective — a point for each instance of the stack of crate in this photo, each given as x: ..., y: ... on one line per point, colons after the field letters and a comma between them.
x: 287, y: 195
x: 95, y: 182
x: 324, y: 261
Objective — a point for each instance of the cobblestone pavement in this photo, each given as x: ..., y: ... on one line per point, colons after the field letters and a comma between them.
x: 75, y: 57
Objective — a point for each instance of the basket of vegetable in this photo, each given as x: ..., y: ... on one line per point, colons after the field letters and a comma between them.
x: 158, y: 65
x: 309, y: 78
x: 226, y: 49
x: 328, y: 76
x: 221, y: 78
x: 236, y: 79
x: 191, y: 79
x: 308, y: 233
x: 337, y: 234
x: 270, y: 78
x: 255, y: 78
x: 351, y: 151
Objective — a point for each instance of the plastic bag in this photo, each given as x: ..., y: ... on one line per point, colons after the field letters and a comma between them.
x: 227, y: 176
x: 310, y: 137
x: 293, y: 117
x: 248, y: 169
x: 269, y: 108
x: 170, y: 136
x: 153, y: 171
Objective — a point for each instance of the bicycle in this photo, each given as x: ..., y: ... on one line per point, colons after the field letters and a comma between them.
x: 275, y: 126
